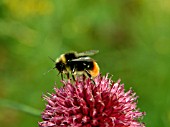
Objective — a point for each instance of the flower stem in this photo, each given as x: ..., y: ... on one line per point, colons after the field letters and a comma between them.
x: 20, y: 107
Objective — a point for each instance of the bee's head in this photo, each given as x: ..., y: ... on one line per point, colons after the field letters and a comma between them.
x: 60, y: 66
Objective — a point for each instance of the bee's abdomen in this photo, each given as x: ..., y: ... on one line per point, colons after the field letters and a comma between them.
x: 85, y: 65
x: 80, y: 66
x: 95, y: 70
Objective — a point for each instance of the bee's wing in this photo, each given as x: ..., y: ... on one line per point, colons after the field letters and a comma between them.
x: 88, y: 53
x: 83, y: 59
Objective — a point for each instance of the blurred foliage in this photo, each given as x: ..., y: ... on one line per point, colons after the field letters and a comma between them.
x: 132, y: 36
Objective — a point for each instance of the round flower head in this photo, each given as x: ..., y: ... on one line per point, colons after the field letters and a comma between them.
x: 85, y: 104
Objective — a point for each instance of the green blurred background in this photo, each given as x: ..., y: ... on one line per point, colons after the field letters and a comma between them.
x: 133, y: 37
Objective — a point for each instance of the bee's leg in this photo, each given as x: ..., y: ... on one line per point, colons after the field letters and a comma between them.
x: 72, y: 73
x: 73, y: 77
x: 84, y: 77
x: 68, y: 76
x: 61, y: 76
x: 89, y: 75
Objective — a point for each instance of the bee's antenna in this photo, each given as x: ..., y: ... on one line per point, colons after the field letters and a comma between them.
x: 52, y: 59
x: 49, y: 70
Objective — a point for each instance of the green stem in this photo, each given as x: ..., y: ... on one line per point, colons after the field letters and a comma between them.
x: 20, y: 107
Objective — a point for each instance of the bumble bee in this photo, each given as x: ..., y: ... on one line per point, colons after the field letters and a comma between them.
x: 77, y: 64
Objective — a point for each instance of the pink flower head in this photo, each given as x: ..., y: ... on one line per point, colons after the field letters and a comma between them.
x: 85, y: 104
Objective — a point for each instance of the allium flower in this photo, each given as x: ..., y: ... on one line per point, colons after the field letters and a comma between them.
x: 85, y: 104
